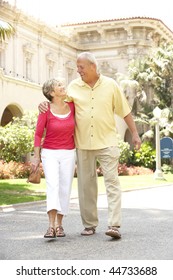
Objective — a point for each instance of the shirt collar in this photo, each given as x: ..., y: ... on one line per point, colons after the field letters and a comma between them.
x: 83, y: 84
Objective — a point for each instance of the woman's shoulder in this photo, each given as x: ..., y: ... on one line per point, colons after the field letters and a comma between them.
x: 70, y: 103
x: 72, y: 107
x: 44, y: 115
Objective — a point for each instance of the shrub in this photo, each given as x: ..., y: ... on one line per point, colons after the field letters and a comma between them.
x: 122, y: 169
x: 145, y: 156
x: 167, y: 168
x: 138, y: 170
x: 16, y: 138
x: 16, y: 170
x: 125, y: 153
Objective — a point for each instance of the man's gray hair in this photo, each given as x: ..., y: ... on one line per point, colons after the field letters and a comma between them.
x: 90, y: 57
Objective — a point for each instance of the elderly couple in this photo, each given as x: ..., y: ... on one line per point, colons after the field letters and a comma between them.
x: 81, y: 122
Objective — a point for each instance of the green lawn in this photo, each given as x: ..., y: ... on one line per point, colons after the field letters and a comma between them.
x: 18, y: 190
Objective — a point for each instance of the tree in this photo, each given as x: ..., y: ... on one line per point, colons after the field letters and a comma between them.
x: 6, y: 30
x: 154, y: 73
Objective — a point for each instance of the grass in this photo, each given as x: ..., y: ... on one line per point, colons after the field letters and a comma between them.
x: 18, y: 190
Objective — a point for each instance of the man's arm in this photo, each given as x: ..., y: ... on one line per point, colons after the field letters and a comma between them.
x: 132, y: 126
x: 43, y: 106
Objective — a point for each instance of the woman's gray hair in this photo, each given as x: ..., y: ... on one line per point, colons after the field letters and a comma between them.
x: 90, y: 57
x: 48, y: 87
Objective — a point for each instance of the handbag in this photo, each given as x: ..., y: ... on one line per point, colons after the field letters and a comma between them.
x: 34, y: 177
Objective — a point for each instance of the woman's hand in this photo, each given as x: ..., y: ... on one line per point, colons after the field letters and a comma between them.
x: 43, y: 106
x: 35, y: 163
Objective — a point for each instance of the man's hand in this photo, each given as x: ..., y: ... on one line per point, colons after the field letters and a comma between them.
x: 43, y: 106
x: 132, y: 126
x: 136, y: 141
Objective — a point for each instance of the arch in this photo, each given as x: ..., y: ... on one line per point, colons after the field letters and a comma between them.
x: 10, y: 111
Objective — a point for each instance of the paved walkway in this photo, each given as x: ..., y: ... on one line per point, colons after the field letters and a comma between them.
x: 147, y: 230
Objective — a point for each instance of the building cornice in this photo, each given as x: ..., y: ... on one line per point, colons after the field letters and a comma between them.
x: 108, y: 21
x: 136, y: 31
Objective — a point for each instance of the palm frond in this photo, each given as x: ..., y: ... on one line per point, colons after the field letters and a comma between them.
x: 6, y: 30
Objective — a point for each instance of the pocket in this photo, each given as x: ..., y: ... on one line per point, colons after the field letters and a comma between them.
x: 114, y: 151
x: 42, y: 154
x: 45, y: 153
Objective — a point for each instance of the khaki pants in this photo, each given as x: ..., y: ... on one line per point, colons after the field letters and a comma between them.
x: 88, y: 188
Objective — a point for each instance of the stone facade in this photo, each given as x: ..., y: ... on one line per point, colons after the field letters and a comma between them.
x: 38, y: 52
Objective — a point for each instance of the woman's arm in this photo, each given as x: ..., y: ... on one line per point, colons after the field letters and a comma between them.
x: 39, y: 132
x: 36, y: 159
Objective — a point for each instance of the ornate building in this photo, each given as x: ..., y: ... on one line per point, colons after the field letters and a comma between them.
x: 38, y: 52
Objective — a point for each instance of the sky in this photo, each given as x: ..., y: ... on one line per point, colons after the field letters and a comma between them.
x: 57, y: 12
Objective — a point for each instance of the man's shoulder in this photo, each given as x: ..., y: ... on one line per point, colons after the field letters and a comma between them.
x: 76, y: 81
x: 108, y: 79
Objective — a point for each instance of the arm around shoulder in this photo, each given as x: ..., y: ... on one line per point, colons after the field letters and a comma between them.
x: 43, y: 106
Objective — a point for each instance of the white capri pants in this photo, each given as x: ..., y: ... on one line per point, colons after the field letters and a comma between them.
x: 58, y: 166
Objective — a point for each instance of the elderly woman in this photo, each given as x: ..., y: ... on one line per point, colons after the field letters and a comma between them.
x: 57, y: 153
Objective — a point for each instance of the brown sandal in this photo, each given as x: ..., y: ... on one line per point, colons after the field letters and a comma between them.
x: 113, y: 232
x: 88, y: 231
x: 50, y: 233
x: 60, y: 231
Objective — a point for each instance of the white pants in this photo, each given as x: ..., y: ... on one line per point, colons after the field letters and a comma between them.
x: 58, y: 166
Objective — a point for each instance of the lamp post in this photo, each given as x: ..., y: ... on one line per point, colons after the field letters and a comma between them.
x: 158, y: 172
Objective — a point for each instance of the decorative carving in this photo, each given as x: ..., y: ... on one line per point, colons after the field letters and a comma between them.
x: 28, y: 51
x: 70, y: 66
x: 107, y: 69
x: 129, y: 33
x: 150, y: 36
x: 50, y: 57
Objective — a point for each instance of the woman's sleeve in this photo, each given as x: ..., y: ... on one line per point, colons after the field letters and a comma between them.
x: 40, y: 126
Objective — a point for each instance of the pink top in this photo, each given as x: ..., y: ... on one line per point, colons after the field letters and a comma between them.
x: 59, y: 131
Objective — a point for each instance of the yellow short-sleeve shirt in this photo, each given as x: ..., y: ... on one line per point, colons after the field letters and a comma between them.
x: 95, y: 110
